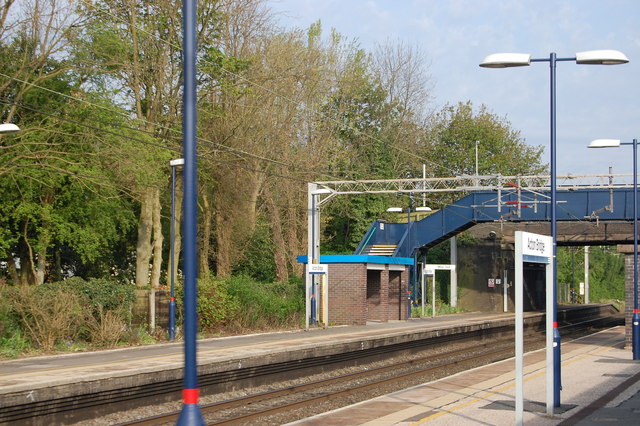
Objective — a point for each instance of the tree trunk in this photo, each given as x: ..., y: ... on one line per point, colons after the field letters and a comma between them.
x: 143, y: 247
x: 177, y: 231
x: 279, y: 246
x: 205, y: 237
x: 157, y: 240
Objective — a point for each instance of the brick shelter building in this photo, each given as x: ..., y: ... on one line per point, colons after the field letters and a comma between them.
x: 363, y: 288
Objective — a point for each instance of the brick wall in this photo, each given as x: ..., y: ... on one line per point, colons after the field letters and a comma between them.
x: 628, y: 297
x: 352, y: 301
x: 347, y: 294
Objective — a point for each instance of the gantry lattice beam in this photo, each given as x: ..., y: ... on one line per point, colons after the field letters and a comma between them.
x: 473, y: 183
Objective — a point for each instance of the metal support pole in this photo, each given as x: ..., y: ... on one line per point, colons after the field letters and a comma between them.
x: 310, y: 235
x: 453, y: 278
x: 586, y: 275
x: 557, y: 386
x: 190, y: 414
x: 635, y: 328
x: 172, y: 299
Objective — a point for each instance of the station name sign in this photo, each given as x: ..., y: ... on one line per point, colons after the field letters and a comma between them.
x: 317, y: 268
x: 537, y: 246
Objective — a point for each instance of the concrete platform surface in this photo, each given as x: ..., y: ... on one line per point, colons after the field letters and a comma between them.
x: 601, y: 385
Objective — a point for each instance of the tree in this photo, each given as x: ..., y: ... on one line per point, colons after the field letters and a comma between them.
x: 136, y: 45
x: 55, y: 182
x: 451, y: 137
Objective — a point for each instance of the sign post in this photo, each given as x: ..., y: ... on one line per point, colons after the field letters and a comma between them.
x: 430, y: 270
x: 536, y: 249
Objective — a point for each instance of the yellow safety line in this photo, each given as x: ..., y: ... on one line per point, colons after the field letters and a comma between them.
x: 488, y: 394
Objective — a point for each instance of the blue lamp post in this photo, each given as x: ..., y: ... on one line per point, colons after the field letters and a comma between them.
x: 592, y: 57
x: 635, y: 320
x: 190, y: 414
x: 172, y: 298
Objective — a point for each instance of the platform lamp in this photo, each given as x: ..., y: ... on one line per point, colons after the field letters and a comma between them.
x: 190, y: 413
x: 592, y: 57
x: 8, y: 128
x: 635, y: 321
x: 172, y: 298
x: 415, y: 269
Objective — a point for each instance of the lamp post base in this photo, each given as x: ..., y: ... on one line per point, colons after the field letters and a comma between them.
x: 190, y: 416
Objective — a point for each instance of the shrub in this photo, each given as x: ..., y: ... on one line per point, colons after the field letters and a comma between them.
x: 103, y: 294
x: 49, y: 314
x: 107, y: 329
x: 215, y: 306
x: 264, y: 305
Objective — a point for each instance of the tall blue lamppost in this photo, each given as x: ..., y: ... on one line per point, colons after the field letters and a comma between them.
x: 592, y: 57
x: 172, y: 298
x: 635, y: 320
x: 190, y: 414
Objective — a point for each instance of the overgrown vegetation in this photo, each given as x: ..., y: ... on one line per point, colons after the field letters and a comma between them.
x: 78, y: 315
x: 606, y: 273
x: 442, y: 308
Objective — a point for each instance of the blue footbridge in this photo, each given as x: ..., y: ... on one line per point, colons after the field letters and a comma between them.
x: 507, y: 203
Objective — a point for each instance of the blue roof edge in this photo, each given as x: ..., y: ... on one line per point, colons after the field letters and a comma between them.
x: 360, y: 258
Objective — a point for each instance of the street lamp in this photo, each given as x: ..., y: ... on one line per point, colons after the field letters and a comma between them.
x: 172, y: 298
x: 507, y: 60
x: 8, y: 128
x: 635, y: 321
x: 190, y: 414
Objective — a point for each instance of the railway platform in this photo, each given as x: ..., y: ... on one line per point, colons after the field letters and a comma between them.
x: 31, y: 384
x: 600, y: 385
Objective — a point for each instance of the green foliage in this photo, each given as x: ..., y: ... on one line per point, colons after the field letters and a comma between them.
x: 348, y: 219
x: 102, y: 295
x: 258, y: 262
x: 216, y: 307
x: 606, y: 271
x: 49, y: 315
x: 441, y: 309
x: 265, y: 305
x: 452, y: 136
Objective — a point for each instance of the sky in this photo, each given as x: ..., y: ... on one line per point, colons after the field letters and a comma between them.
x: 593, y: 101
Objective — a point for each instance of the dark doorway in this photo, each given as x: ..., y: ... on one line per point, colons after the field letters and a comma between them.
x: 374, y: 307
x: 395, y: 295
x: 534, y: 275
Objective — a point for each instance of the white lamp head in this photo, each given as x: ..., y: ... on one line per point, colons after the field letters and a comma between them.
x: 394, y: 210
x: 604, y: 143
x: 423, y: 209
x: 8, y: 128
x: 601, y: 57
x: 177, y: 162
x: 506, y: 60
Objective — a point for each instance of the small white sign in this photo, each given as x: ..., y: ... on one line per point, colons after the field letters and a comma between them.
x: 581, y: 289
x: 536, y: 245
x: 441, y: 267
x: 317, y: 268
x: 492, y: 282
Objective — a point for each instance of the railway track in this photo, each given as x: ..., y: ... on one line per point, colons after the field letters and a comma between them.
x: 295, y: 401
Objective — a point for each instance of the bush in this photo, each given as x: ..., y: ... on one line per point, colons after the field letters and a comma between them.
x: 103, y: 294
x: 49, y: 314
x: 215, y: 306
x: 266, y: 305
x: 107, y: 329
